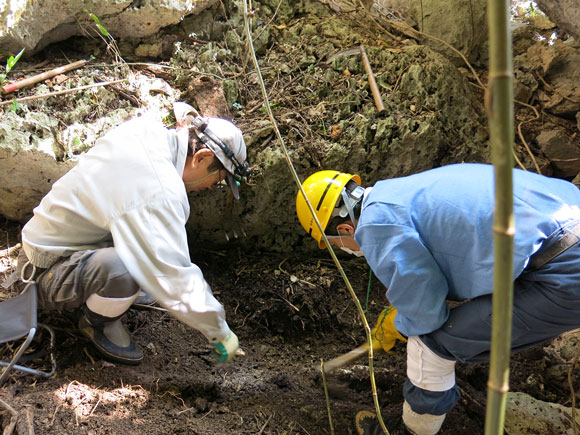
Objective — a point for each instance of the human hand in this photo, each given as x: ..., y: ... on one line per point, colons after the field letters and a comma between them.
x: 225, y: 350
x: 384, y: 334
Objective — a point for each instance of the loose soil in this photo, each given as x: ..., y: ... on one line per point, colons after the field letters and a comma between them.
x: 290, y: 314
x: 291, y: 311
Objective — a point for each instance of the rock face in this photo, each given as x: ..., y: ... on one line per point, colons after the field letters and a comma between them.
x: 328, y: 120
x: 546, y: 75
x: 558, y: 67
x: 28, y: 167
x: 565, y: 13
x: 432, y: 118
x: 35, y: 24
x: 460, y: 23
x: 40, y: 141
x: 526, y: 415
x: 19, y: 192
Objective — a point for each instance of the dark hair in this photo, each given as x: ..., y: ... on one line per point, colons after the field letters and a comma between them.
x: 194, y: 145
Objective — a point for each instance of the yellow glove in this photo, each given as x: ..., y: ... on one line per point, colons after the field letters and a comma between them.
x: 385, y: 334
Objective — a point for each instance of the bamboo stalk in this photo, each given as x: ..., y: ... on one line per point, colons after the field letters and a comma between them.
x: 372, y: 82
x: 247, y: 16
x: 499, y: 103
x: 11, y: 87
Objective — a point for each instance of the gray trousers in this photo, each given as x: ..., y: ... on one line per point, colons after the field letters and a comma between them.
x: 546, y: 304
x: 67, y: 284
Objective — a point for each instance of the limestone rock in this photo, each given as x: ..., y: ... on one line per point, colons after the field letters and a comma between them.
x: 565, y: 13
x: 33, y: 25
x: 526, y: 415
x: 461, y: 23
x: 562, y: 150
x: 559, y: 65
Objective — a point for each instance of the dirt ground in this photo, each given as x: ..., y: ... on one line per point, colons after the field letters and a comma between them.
x: 290, y: 314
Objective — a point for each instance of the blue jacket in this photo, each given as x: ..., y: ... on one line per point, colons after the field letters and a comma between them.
x: 428, y: 237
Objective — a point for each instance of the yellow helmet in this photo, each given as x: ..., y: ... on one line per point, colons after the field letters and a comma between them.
x: 323, y: 190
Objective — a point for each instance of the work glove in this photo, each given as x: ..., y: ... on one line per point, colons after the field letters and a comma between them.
x: 385, y: 334
x: 225, y: 350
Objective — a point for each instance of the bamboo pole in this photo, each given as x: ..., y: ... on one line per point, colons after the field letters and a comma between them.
x: 247, y: 16
x: 499, y: 102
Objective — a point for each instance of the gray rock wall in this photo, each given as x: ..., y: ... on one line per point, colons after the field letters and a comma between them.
x: 565, y: 13
x: 35, y: 24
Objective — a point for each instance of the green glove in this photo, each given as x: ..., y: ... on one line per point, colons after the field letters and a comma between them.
x: 385, y: 334
x: 225, y: 350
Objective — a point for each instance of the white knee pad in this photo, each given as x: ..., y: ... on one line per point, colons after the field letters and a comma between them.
x: 426, y: 370
x: 421, y: 424
x: 109, y: 307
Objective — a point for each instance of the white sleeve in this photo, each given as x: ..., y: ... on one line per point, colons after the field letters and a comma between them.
x: 152, y: 243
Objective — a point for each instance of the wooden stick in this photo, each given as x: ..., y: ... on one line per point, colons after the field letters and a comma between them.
x: 13, y: 419
x: 11, y: 87
x: 345, y: 359
x: 64, y: 91
x: 6, y: 406
x: 372, y: 82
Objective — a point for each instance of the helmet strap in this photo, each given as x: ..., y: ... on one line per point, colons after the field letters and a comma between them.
x: 350, y: 200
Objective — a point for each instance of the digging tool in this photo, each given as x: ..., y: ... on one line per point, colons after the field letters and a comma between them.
x: 372, y: 83
x: 368, y: 70
x: 345, y: 359
x: 230, y: 223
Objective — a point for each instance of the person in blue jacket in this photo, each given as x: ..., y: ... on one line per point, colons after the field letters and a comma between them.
x: 428, y: 237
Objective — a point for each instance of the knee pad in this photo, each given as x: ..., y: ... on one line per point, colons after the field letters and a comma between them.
x: 427, y: 370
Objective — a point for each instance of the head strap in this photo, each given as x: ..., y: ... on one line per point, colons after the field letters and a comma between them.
x: 205, y: 135
x: 350, y: 200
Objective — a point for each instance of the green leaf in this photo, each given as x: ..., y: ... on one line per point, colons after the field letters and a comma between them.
x: 16, y: 106
x: 12, y: 61
x: 101, y: 28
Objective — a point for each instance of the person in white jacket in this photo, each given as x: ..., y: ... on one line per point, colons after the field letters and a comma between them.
x: 115, y: 223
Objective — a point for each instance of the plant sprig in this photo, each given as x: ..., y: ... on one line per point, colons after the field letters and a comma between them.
x: 12, y: 60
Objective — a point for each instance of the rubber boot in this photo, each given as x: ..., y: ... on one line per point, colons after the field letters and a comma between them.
x: 367, y: 423
x: 110, y: 337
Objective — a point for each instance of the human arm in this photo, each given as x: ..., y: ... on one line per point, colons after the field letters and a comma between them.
x: 416, y: 286
x: 151, y: 240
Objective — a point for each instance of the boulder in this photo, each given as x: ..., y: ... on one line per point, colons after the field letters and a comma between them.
x: 526, y: 415
x: 461, y: 24
x: 565, y: 13
x: 33, y: 25
x: 562, y: 150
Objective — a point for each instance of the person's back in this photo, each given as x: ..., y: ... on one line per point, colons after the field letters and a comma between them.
x: 128, y: 167
x: 451, y: 211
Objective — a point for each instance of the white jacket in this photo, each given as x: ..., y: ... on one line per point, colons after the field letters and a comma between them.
x: 128, y: 192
